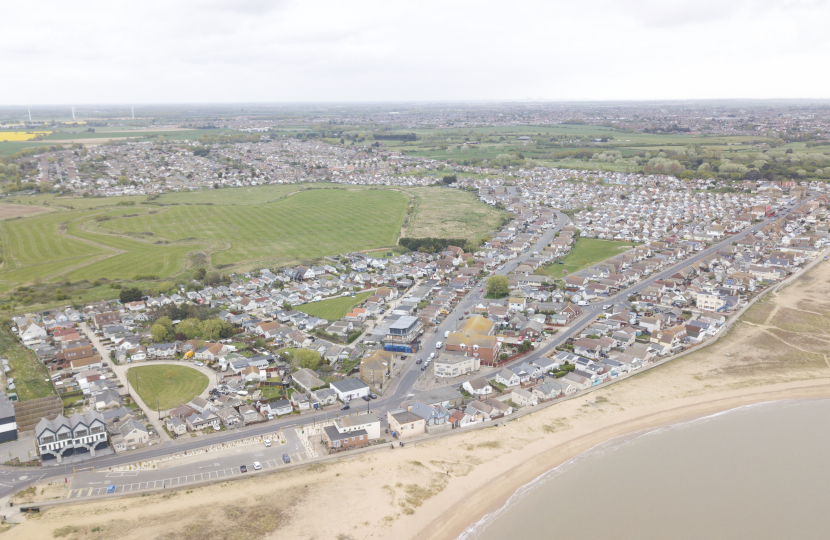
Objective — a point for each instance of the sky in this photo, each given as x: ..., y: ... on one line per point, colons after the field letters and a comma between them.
x: 217, y: 51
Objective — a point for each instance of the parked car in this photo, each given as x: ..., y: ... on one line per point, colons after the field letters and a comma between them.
x: 286, y: 459
x: 243, y: 468
x: 366, y: 398
x: 418, y: 361
x: 344, y: 407
x: 197, y: 363
x: 110, y: 489
x: 439, y: 344
x: 373, y: 395
x: 267, y: 443
x: 257, y: 465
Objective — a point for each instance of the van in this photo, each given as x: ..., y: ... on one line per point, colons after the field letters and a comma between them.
x: 439, y: 344
x: 446, y: 334
x: 582, y: 303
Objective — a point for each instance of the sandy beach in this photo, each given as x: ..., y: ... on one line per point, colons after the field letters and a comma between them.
x: 778, y: 353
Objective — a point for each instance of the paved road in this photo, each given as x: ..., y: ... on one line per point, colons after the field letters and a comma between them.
x: 404, y: 389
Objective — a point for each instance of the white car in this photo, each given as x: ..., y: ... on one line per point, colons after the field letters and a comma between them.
x: 197, y: 363
x: 267, y: 443
x: 257, y: 465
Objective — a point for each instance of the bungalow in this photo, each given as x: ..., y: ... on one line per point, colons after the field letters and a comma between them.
x: 524, y: 398
x: 306, y: 379
x: 578, y: 381
x: 349, y: 389
x: 478, y: 387
x: 507, y: 378
x: 175, y: 425
x: 202, y: 420
x: 277, y: 408
x: 548, y: 391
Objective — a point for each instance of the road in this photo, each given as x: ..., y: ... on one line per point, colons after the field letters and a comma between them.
x: 404, y: 389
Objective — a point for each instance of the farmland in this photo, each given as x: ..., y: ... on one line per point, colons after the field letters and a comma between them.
x: 17, y: 136
x: 170, y: 385
x: 586, y: 251
x: 335, y: 308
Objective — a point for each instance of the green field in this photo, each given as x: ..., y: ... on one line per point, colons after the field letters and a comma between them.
x: 586, y: 252
x: 170, y: 385
x: 139, y: 239
x: 334, y: 309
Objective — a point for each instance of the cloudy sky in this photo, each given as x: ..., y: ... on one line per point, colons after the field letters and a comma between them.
x: 342, y: 50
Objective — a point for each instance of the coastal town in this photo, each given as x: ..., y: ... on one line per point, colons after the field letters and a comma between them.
x: 429, y: 342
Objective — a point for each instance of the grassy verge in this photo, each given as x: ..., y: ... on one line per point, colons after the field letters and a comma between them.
x: 31, y: 378
x: 586, y: 252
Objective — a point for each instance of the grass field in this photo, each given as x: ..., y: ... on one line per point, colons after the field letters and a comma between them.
x: 306, y: 226
x: 450, y: 213
x: 335, y: 308
x: 130, y: 238
x: 170, y: 385
x: 586, y: 251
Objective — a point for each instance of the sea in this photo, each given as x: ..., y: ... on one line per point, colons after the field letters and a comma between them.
x: 755, y: 472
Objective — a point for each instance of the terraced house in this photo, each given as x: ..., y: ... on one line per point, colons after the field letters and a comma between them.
x: 78, y: 435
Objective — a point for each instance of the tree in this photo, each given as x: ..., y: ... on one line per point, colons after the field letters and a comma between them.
x: 305, y: 358
x: 162, y: 330
x: 191, y: 328
x: 133, y: 294
x: 200, y: 273
x: 216, y: 329
x: 498, y: 286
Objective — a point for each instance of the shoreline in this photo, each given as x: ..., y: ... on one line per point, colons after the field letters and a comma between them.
x: 464, y: 515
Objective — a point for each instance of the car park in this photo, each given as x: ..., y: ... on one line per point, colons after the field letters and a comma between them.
x: 257, y: 465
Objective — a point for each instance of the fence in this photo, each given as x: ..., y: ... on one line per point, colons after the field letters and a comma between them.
x: 28, y: 413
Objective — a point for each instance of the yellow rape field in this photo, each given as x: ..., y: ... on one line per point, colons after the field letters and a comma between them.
x: 21, y: 135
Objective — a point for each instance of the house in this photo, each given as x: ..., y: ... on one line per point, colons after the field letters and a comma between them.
x: 93, y: 362
x: 453, y: 365
x: 499, y: 408
x: 376, y: 367
x: 405, y: 424
x: 229, y: 417
x: 202, y: 420
x: 277, y: 408
x: 483, y: 347
x: 436, y: 416
x: 129, y: 434
x: 349, y: 389
x: 578, y: 381
x: 107, y: 400
x: 306, y: 379
x: 249, y: 414
x: 162, y: 350
x: 323, y: 397
x: 524, y: 398
x: 79, y: 435
x: 478, y: 387
x: 507, y: 378
x: 548, y: 391
x: 200, y: 404
x: 352, y: 431
x: 175, y: 425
